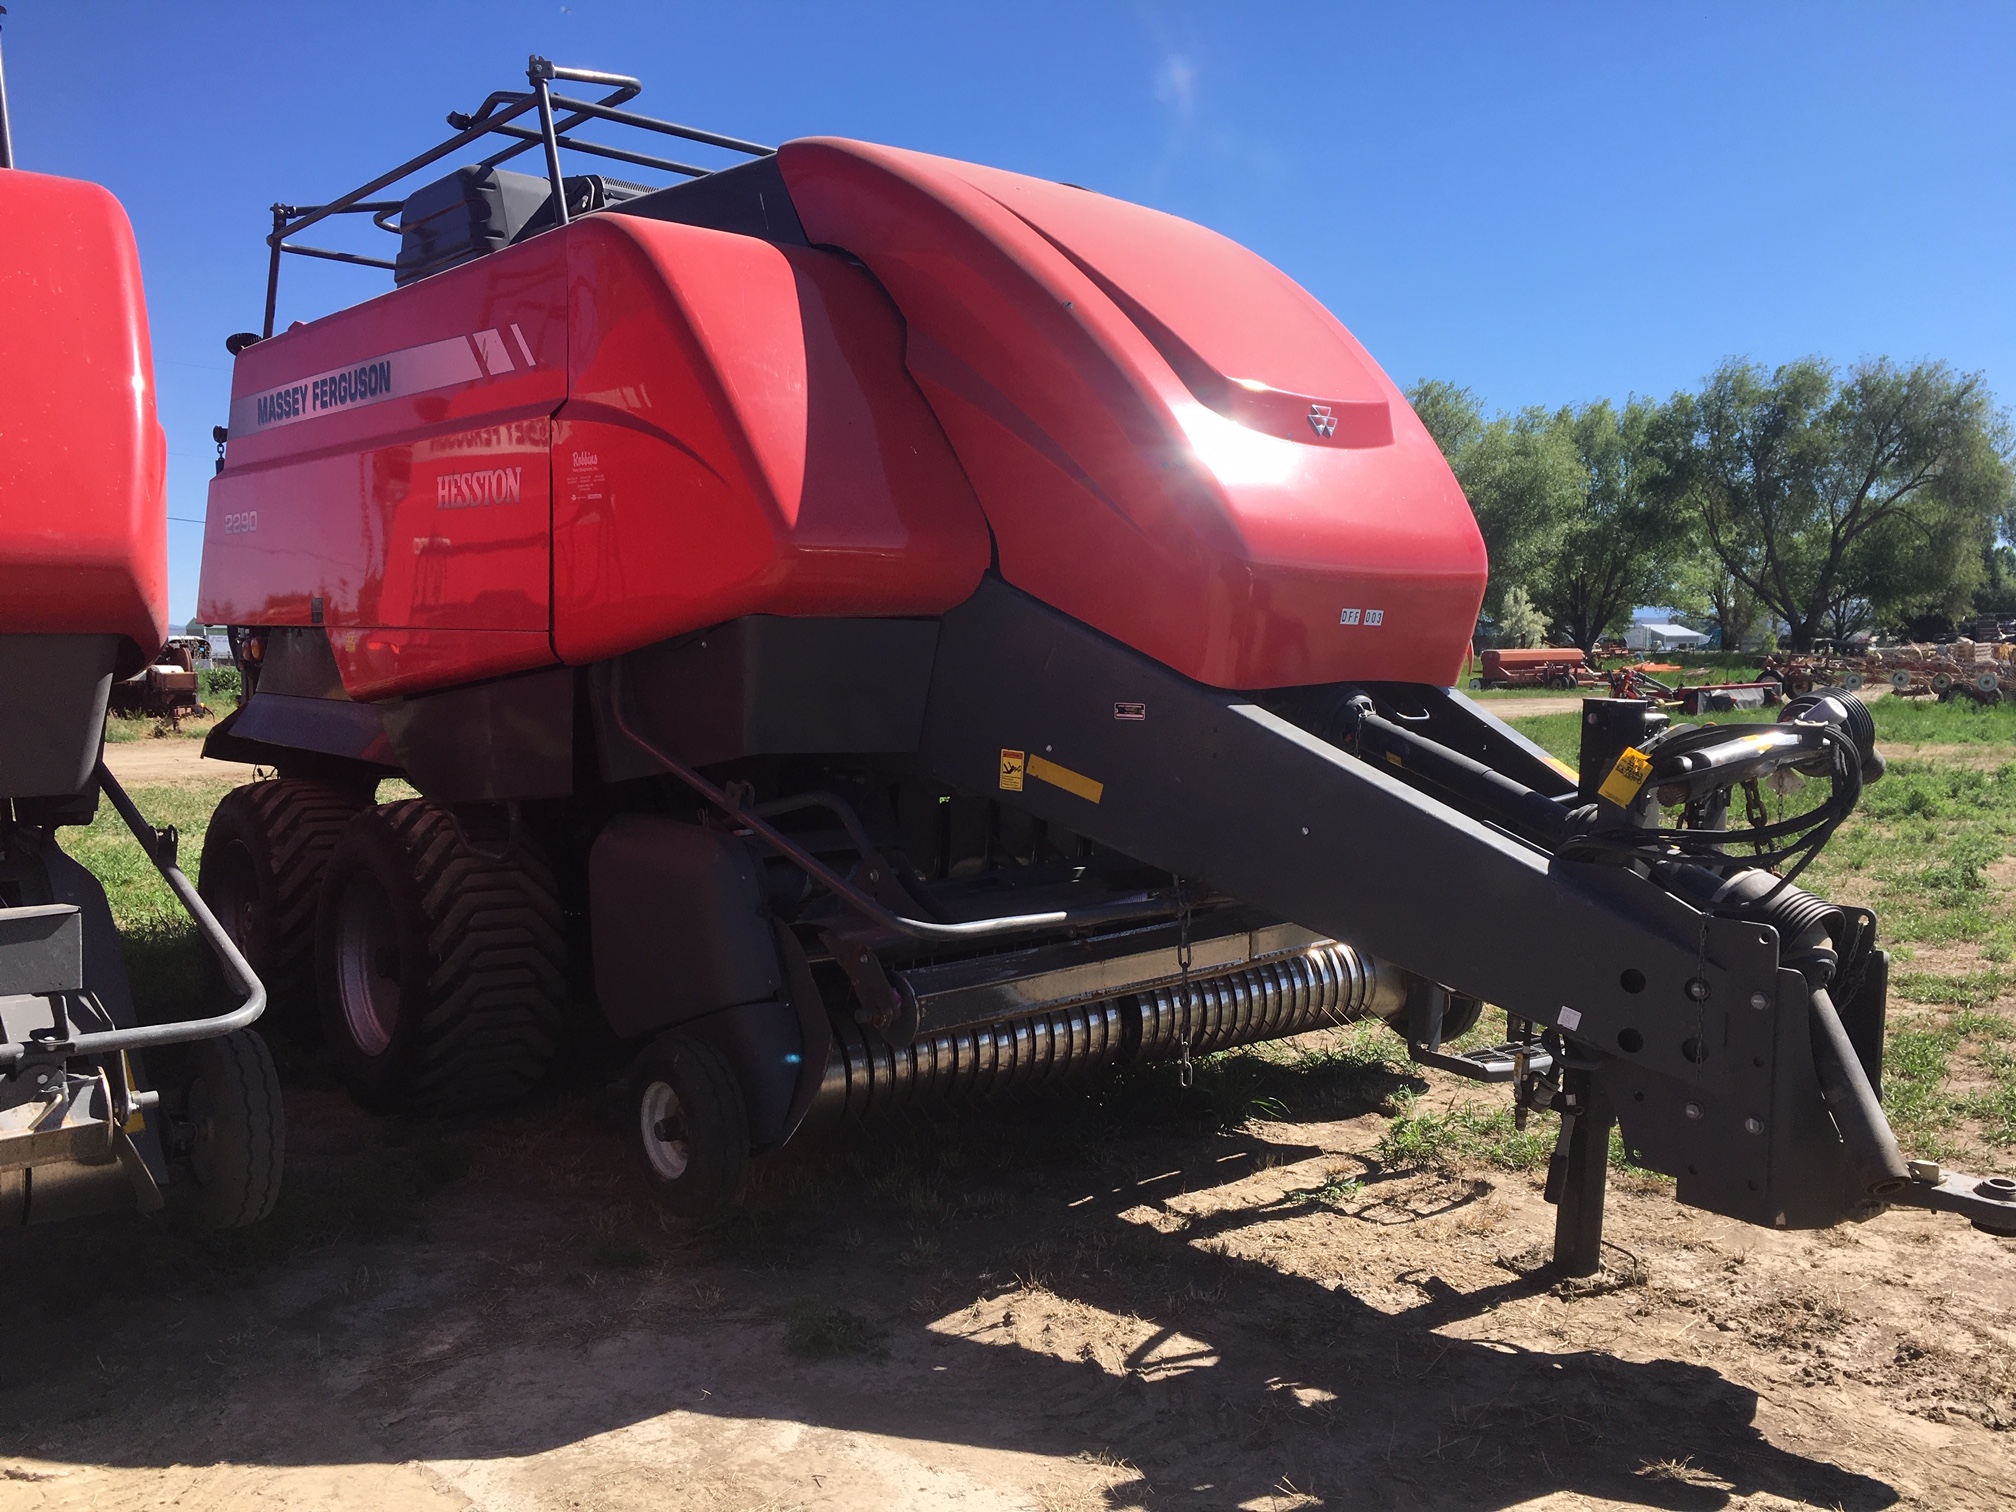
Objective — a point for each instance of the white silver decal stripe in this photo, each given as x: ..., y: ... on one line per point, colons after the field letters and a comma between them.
x: 415, y: 370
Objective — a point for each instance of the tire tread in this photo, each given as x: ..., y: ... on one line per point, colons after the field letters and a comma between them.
x: 497, y: 983
x: 294, y: 823
x: 243, y: 1068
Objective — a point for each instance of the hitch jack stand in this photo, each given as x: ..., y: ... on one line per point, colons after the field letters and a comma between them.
x: 1579, y: 1172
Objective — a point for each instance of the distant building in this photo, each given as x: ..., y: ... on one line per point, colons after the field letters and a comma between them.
x: 1651, y: 637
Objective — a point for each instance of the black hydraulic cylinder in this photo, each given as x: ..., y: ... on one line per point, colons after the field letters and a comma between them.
x: 1494, y: 796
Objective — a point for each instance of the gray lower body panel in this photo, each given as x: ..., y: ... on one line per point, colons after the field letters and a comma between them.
x: 54, y: 688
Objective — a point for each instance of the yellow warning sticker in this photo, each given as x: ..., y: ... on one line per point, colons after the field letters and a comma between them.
x: 1012, y: 764
x: 1626, y: 777
x: 136, y: 1120
x: 1075, y: 783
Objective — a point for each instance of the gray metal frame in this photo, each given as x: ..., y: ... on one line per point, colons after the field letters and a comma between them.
x: 1209, y: 784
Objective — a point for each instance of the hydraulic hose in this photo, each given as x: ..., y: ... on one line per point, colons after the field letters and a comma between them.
x: 1143, y: 905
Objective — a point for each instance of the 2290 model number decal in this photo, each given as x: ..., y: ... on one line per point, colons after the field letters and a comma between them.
x: 242, y: 523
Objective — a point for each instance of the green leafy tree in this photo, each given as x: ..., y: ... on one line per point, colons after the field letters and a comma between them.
x: 1997, y: 593
x: 1451, y: 414
x: 1520, y: 474
x: 1842, y: 499
x: 1525, y: 482
x: 1572, y: 503
x: 1520, y: 622
x: 1703, y: 588
x: 1619, y: 542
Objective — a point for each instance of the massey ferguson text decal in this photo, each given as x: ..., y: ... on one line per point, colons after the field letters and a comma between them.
x: 358, y: 385
x: 414, y: 370
x: 470, y: 490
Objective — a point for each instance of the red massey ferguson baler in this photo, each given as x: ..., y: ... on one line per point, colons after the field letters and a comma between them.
x: 98, y: 1110
x: 889, y: 630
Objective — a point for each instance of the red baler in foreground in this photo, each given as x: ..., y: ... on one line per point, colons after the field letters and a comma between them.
x: 86, y: 1124
x: 891, y: 631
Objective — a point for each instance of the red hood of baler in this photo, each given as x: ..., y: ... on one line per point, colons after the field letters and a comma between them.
x: 83, y: 515
x: 1172, y: 440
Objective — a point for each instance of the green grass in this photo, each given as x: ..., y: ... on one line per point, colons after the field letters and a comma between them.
x: 1465, y: 1133
x: 1995, y: 1110
x: 1513, y: 695
x: 1926, y: 837
x: 817, y: 1331
x: 1926, y: 721
x: 1972, y: 989
x: 1469, y: 1134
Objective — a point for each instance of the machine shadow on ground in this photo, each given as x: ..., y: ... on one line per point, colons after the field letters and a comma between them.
x: 1132, y: 1285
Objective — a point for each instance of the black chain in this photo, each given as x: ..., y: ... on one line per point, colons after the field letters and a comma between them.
x: 1753, y: 806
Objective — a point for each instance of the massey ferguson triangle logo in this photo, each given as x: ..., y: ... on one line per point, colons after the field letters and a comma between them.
x: 1322, y: 421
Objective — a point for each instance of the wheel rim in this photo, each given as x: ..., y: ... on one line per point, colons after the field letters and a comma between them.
x: 662, y: 1123
x: 367, y: 967
x: 231, y: 888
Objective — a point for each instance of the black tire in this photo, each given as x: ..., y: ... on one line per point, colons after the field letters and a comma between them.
x: 237, y: 1129
x: 687, y: 1126
x: 441, y: 972
x: 261, y: 874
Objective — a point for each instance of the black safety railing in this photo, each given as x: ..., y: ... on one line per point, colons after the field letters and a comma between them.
x: 558, y: 116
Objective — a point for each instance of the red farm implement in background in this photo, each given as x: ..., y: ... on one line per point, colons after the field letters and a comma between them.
x: 888, y: 631
x: 98, y: 1111
x: 1562, y: 667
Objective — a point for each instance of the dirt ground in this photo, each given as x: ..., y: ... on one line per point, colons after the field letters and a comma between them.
x: 174, y: 761
x: 1103, y: 1302
x: 1531, y: 708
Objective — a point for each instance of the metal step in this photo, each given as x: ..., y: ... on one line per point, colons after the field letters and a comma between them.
x: 1500, y: 1063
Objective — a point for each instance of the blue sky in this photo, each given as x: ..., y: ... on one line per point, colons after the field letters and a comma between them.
x: 1548, y: 203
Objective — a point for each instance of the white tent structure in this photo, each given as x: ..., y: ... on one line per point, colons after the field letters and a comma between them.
x: 1652, y: 637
